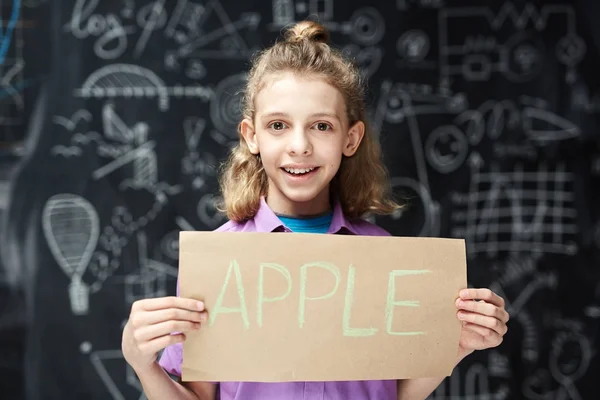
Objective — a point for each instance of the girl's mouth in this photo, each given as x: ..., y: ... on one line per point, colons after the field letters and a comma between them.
x: 300, y: 172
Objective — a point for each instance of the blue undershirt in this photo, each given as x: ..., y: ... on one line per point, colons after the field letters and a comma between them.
x: 318, y: 224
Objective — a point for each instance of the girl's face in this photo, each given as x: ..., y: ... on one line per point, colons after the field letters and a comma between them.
x: 301, y: 132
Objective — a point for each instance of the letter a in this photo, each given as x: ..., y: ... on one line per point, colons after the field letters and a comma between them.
x: 219, y: 309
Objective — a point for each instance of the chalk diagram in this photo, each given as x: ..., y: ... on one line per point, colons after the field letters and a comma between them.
x: 226, y: 109
x: 365, y: 28
x: 523, y: 208
x: 475, y: 381
x: 413, y: 47
x: 71, y: 227
x: 477, y: 54
x: 149, y: 281
x: 199, y: 167
x: 517, y: 211
x: 398, y: 104
x: 204, y: 32
x: 12, y: 81
x: 132, y: 81
x: 200, y: 30
x: 503, y: 211
x: 569, y: 360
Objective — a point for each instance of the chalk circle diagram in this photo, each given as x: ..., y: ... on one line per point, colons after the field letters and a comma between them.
x: 523, y: 57
x: 125, y: 80
x: 421, y: 212
x: 446, y: 148
x: 226, y: 104
x: 208, y: 212
x: 367, y: 26
x: 71, y: 227
x: 570, y: 50
x: 413, y: 46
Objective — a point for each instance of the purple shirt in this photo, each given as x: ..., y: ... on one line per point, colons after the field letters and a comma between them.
x: 266, y: 221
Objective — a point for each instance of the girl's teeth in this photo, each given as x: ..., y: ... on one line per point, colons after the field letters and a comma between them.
x: 298, y: 171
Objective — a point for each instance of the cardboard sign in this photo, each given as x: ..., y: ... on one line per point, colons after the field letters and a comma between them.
x: 310, y: 307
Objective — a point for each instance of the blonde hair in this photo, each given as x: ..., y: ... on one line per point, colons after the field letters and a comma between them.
x: 361, y: 183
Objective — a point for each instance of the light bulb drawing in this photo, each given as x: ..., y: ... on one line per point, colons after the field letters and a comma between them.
x: 72, y: 227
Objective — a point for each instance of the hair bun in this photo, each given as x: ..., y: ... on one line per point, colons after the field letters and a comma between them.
x: 307, y: 30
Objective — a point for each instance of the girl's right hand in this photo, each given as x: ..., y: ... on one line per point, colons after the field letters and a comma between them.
x: 157, y: 323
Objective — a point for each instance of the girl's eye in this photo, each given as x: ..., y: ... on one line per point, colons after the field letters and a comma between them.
x: 322, y: 126
x: 277, y: 126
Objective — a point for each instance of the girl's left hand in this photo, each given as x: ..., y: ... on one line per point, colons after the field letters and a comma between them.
x: 483, y: 318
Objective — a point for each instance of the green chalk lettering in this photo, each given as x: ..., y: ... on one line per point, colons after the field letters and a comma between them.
x: 219, y: 309
x: 261, y: 287
x: 391, y: 302
x: 303, y: 275
x: 355, y: 332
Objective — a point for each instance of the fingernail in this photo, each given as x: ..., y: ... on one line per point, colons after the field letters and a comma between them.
x: 464, y: 292
x: 203, y: 317
x: 461, y: 315
x: 200, y: 305
x: 457, y: 302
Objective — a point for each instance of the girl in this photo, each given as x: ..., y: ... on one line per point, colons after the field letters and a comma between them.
x: 306, y: 162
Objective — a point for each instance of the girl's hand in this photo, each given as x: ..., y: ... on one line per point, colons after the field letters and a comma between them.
x: 157, y: 323
x: 483, y: 318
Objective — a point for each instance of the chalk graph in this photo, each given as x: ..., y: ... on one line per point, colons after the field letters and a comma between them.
x: 517, y: 210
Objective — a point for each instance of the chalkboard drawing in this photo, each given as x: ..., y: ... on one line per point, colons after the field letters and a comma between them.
x: 6, y: 34
x: 198, y: 167
x: 12, y: 64
x: 544, y: 126
x: 475, y: 54
x: 226, y: 108
x: 70, y: 124
x: 132, y: 81
x: 508, y: 212
x: 569, y: 360
x: 151, y: 278
x: 105, y: 363
x: 193, y: 26
x: 71, y: 228
x: 208, y: 213
x: 413, y: 46
x: 136, y: 147
x: 289, y: 11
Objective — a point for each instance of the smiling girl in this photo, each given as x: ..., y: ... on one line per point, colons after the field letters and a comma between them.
x: 306, y: 161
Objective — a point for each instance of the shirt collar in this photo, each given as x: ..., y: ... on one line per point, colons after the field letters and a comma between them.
x: 265, y: 219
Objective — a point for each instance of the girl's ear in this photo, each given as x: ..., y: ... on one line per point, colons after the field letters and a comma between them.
x: 355, y: 136
x: 249, y: 135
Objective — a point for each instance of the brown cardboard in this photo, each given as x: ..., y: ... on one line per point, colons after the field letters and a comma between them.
x: 238, y: 343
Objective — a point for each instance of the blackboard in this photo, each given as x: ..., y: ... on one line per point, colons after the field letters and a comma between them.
x: 488, y: 113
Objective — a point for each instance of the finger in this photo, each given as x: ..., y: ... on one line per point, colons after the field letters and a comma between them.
x: 483, y: 307
x: 480, y: 330
x: 155, y: 345
x: 483, y: 320
x: 160, y: 303
x: 482, y: 294
x: 150, y: 332
x: 169, y: 314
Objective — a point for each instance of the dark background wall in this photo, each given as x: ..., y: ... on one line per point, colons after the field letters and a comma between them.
x: 114, y: 114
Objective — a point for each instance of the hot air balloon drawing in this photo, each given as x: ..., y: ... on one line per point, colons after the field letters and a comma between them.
x: 71, y: 227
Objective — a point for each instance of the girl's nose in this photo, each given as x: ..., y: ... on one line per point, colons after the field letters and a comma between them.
x: 299, y: 143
